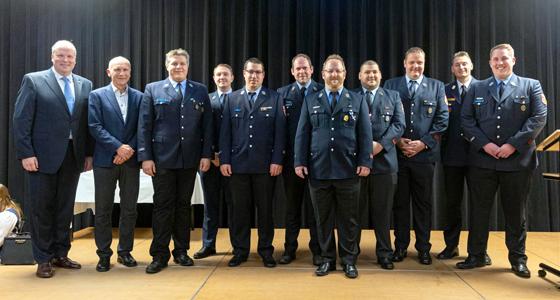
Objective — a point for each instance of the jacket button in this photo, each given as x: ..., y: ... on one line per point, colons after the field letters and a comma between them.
x: 250, y: 126
x: 332, y: 149
x: 182, y: 138
x: 250, y: 146
x: 497, y: 136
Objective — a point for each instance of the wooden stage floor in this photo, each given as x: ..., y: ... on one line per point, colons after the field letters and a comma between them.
x: 211, y: 278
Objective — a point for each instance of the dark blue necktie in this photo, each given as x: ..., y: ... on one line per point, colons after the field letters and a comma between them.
x: 412, y: 88
x: 251, y: 99
x: 501, y: 89
x: 180, y: 89
x: 333, y: 100
x: 68, y: 94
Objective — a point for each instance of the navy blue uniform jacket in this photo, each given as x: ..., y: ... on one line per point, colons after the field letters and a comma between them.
x: 387, y: 126
x: 42, y: 121
x: 516, y: 119
x: 293, y: 101
x: 109, y: 129
x: 454, y: 146
x: 175, y: 133
x: 333, y: 144
x: 252, y: 139
x: 426, y: 115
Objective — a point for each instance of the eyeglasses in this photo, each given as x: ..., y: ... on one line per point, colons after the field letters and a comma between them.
x: 254, y: 72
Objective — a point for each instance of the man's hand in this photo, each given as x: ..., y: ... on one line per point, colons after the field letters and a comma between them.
x: 275, y: 169
x: 362, y: 171
x: 505, y: 151
x: 301, y: 171
x: 226, y: 170
x: 88, y: 163
x: 30, y: 164
x: 117, y: 160
x: 376, y: 148
x: 216, y: 160
x: 411, y: 148
x: 149, y: 167
x: 125, y: 152
x: 204, y: 164
x: 492, y: 150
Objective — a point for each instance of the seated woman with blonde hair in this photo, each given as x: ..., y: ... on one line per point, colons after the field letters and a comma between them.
x: 10, y: 213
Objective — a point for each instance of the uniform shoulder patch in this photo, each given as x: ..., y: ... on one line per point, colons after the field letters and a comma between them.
x: 543, y: 99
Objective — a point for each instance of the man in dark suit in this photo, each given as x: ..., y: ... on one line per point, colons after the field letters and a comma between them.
x: 426, y: 116
x: 174, y: 140
x: 252, y: 148
x: 333, y: 147
x: 215, y: 186
x: 378, y: 189
x: 54, y: 146
x: 113, y: 123
x: 296, y: 189
x: 501, y: 117
x: 454, y: 151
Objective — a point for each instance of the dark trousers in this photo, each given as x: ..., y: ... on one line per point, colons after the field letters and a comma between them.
x: 514, y: 189
x: 216, y: 192
x: 414, y: 184
x: 335, y: 202
x: 297, y: 196
x: 105, y: 182
x: 173, y: 189
x: 248, y: 190
x: 454, y: 178
x: 50, y: 208
x: 376, y: 204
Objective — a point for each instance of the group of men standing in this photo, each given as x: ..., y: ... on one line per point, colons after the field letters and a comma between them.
x: 341, y: 153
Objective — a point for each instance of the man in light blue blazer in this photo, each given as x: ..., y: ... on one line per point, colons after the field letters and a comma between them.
x: 113, y: 123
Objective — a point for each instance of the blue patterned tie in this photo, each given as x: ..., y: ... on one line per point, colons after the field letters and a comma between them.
x: 68, y: 94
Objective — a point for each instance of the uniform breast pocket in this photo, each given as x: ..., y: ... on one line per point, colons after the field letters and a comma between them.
x: 266, y: 113
x: 428, y: 108
x: 349, y: 118
x: 521, y: 105
x: 237, y: 118
x: 160, y: 107
x: 480, y: 106
x: 319, y: 118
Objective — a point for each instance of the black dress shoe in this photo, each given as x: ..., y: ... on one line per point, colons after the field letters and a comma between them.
x: 317, y: 260
x: 350, y: 271
x: 471, y: 262
x: 156, y: 266
x: 424, y: 258
x: 127, y: 260
x: 448, y: 253
x: 487, y: 260
x: 183, y: 260
x: 45, y: 270
x: 269, y: 261
x: 399, y: 255
x: 521, y: 270
x: 66, y: 263
x: 236, y: 261
x: 204, y: 252
x: 286, y: 259
x: 325, y: 268
x: 386, y: 263
x: 103, y: 265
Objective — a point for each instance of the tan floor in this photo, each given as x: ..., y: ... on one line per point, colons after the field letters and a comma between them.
x: 212, y: 279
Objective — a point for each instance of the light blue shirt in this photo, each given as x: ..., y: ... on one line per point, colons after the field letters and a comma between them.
x: 373, y: 92
x: 183, y: 85
x: 306, y: 86
x: 329, y: 94
x: 257, y: 92
x: 418, y: 81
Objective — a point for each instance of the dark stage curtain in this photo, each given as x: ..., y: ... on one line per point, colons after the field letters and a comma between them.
x: 230, y: 31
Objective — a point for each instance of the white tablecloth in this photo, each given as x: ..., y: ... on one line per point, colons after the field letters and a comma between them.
x: 85, y: 194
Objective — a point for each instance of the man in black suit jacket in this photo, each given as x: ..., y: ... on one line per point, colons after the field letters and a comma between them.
x: 333, y: 147
x: 113, y: 123
x: 426, y: 117
x: 215, y: 186
x: 54, y: 146
x: 252, y: 141
x: 297, y: 192
x: 454, y: 154
x: 378, y: 189
x: 174, y: 141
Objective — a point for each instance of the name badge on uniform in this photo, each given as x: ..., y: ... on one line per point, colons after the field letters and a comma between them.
x: 288, y: 103
x: 478, y: 101
x: 197, y: 105
x: 266, y: 108
x: 160, y: 101
x: 451, y: 99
